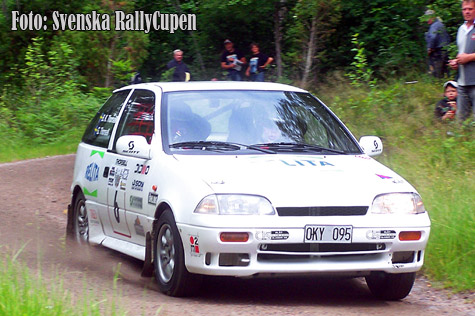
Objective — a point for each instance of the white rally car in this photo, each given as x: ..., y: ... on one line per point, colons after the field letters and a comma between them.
x: 242, y: 179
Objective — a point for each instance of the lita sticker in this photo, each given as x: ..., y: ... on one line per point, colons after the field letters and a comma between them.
x: 138, y: 227
x: 152, y: 198
x: 194, y: 245
x: 272, y: 235
x: 381, y: 234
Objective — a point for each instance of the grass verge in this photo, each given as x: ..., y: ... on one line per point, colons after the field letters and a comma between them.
x: 22, y: 293
x: 437, y: 158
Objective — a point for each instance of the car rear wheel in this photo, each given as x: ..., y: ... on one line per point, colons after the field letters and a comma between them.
x: 169, y: 260
x: 80, y: 225
x: 389, y: 286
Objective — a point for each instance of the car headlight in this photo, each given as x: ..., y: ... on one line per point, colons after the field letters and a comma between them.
x: 398, y: 203
x: 235, y: 204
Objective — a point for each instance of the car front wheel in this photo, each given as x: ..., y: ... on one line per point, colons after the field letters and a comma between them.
x: 172, y: 277
x: 389, y: 286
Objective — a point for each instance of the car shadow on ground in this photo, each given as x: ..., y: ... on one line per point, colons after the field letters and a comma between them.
x: 285, y: 291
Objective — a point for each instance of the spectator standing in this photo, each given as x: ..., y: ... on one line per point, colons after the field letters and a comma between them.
x: 445, y: 108
x: 437, y: 39
x: 465, y: 62
x: 181, y: 73
x: 232, y: 60
x: 257, y: 64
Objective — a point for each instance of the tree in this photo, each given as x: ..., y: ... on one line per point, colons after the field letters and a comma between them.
x: 314, y: 22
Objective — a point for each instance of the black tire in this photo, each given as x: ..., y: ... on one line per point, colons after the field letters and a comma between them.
x: 79, y: 226
x: 390, y: 287
x: 169, y: 260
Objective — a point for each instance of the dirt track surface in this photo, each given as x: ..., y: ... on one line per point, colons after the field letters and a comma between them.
x: 34, y: 195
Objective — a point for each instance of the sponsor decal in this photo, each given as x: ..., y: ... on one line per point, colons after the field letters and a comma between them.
x: 194, y: 245
x: 110, y: 182
x: 139, y: 230
x: 381, y: 234
x: 93, y: 219
x: 363, y: 157
x: 107, y: 118
x: 393, y: 180
x: 272, y: 235
x: 135, y: 201
x: 120, y: 177
x: 100, y: 153
x: 121, y: 162
x: 142, y: 169
x: 93, y: 193
x: 92, y: 172
x: 137, y: 185
x: 306, y: 162
x: 112, y: 172
x: 131, y: 149
x: 397, y: 266
x: 152, y: 198
x: 473, y: 36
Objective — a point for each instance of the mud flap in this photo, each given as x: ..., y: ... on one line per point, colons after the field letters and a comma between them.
x: 70, y: 223
x: 147, y: 270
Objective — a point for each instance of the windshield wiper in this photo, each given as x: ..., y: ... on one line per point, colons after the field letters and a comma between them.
x: 299, y: 147
x: 217, y: 145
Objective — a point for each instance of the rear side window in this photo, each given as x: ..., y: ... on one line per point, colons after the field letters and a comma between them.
x: 138, y: 116
x: 99, y: 131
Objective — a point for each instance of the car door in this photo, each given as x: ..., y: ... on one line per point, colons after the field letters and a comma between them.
x: 93, y: 157
x: 128, y: 175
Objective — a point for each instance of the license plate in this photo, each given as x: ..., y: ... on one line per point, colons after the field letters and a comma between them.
x: 328, y: 234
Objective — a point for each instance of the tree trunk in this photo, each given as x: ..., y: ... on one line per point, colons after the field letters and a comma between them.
x: 279, y: 13
x: 108, y: 79
x: 310, y: 52
x: 177, y: 6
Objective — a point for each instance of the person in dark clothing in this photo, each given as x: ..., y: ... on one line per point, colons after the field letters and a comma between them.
x: 445, y: 108
x: 232, y: 60
x: 257, y: 64
x: 181, y: 73
x: 437, y: 39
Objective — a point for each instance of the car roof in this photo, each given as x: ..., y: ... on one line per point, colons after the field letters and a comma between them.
x: 214, y: 85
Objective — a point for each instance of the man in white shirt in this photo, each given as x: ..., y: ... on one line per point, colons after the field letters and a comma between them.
x: 465, y: 62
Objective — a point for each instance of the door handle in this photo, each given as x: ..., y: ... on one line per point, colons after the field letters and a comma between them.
x: 105, y: 174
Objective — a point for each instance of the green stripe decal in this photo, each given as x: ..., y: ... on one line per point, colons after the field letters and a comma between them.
x: 93, y: 193
x: 100, y: 153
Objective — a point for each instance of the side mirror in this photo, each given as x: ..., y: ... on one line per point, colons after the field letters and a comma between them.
x: 371, y: 145
x: 134, y: 146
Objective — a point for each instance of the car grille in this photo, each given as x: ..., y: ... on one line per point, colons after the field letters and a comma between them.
x: 322, y: 211
x: 301, y: 251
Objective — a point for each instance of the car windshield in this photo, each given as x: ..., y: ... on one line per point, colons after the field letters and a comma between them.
x: 264, y: 121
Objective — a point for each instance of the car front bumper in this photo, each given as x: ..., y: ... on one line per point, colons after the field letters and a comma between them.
x: 280, y: 251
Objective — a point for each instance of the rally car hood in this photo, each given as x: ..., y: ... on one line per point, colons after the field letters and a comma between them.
x: 297, y: 180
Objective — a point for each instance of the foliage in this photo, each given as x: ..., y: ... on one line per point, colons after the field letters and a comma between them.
x: 360, y: 71
x: 22, y: 293
x: 438, y: 158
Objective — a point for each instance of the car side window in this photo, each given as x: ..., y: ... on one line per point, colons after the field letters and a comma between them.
x: 138, y: 116
x: 99, y: 131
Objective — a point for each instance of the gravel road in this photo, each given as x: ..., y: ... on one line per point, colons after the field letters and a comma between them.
x: 34, y: 195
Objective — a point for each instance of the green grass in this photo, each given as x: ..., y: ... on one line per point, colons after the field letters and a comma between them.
x: 23, y: 293
x: 20, y: 149
x: 437, y: 158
